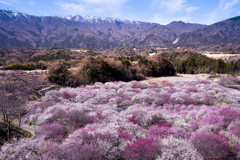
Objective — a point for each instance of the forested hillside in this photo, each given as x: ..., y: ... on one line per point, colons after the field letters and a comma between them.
x: 194, y: 63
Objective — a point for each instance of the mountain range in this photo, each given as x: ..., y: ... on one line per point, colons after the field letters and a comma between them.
x: 227, y: 31
x: 75, y: 31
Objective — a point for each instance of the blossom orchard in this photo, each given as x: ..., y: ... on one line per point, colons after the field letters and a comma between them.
x: 134, y: 120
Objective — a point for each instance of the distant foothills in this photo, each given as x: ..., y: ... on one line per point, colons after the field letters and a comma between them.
x: 19, y: 30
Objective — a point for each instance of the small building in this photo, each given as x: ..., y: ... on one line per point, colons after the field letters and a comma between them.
x: 161, y: 49
x: 152, y: 54
x: 216, y: 79
x: 209, y: 52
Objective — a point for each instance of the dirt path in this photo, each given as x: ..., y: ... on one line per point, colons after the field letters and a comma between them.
x: 189, y: 77
x: 179, y: 77
x: 25, y: 126
x: 34, y: 130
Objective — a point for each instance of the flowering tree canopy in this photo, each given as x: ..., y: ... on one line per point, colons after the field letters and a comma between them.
x: 134, y: 120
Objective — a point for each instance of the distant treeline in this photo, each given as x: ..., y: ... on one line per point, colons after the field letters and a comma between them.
x: 59, y: 55
x: 94, y: 69
x: 25, y: 66
x: 139, y: 66
x: 152, y: 66
x: 193, y: 63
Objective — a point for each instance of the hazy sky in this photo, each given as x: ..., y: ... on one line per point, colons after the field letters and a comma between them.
x: 159, y: 11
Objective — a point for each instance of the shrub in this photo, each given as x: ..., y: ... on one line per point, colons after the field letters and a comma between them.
x: 142, y: 149
x: 99, y: 70
x: 192, y: 89
x: 163, y: 123
x: 175, y: 148
x: 188, y: 62
x: 164, y: 132
x: 25, y: 66
x: 58, y: 73
x: 53, y: 131
x: 234, y: 127
x: 229, y: 115
x: 134, y: 121
x: 19, y: 149
x: 211, y: 146
x: 79, y: 151
x: 93, y: 70
x: 77, y: 118
x: 156, y: 66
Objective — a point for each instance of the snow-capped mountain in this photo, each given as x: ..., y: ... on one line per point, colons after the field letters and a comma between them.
x: 75, y: 31
x: 94, y: 19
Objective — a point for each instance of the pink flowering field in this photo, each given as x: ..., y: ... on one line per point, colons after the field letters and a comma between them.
x: 136, y: 121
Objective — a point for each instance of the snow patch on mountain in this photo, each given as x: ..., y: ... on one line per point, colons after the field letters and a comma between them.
x: 15, y: 14
x: 94, y: 19
x: 76, y: 18
x: 9, y: 13
x: 26, y: 16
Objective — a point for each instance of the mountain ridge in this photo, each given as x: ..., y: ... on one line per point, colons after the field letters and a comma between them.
x: 72, y: 17
x: 75, y: 31
x: 226, y: 31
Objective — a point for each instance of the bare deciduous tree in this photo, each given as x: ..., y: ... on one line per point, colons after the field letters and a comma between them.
x: 12, y: 100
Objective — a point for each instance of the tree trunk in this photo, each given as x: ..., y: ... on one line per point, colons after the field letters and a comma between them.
x: 20, y: 121
x: 4, y: 118
x: 8, y: 133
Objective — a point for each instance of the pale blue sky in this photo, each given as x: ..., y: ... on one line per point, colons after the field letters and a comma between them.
x: 159, y: 11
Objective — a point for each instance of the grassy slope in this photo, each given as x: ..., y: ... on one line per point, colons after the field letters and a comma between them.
x: 15, y: 132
